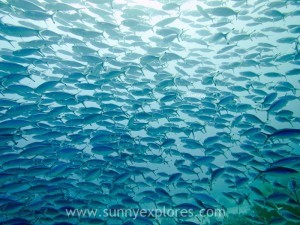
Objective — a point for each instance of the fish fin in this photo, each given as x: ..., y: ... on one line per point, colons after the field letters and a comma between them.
x: 259, y: 173
x: 267, y: 135
x: 10, y: 42
x: 52, y: 16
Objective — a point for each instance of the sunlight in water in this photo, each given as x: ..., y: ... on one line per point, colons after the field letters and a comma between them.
x: 145, y: 3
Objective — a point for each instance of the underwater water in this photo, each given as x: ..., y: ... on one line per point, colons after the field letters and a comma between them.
x: 146, y: 112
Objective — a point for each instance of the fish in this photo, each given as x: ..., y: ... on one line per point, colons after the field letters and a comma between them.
x: 283, y: 134
x: 289, y: 216
x: 149, y: 105
x: 276, y: 171
x: 222, y: 11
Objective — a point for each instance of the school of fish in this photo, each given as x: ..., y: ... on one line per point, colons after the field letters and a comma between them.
x: 114, y: 104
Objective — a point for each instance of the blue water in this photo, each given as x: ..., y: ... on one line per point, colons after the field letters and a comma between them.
x: 186, y: 110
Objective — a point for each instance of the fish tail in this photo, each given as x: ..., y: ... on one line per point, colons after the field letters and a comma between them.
x: 152, y: 28
x: 10, y: 42
x: 267, y: 137
x: 179, y: 15
x: 52, y: 16
x: 28, y: 69
x: 250, y: 35
x: 13, y: 9
x: 40, y: 35
x: 76, y: 95
x: 179, y: 9
x: 259, y: 173
x: 5, y: 88
x: 182, y: 33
